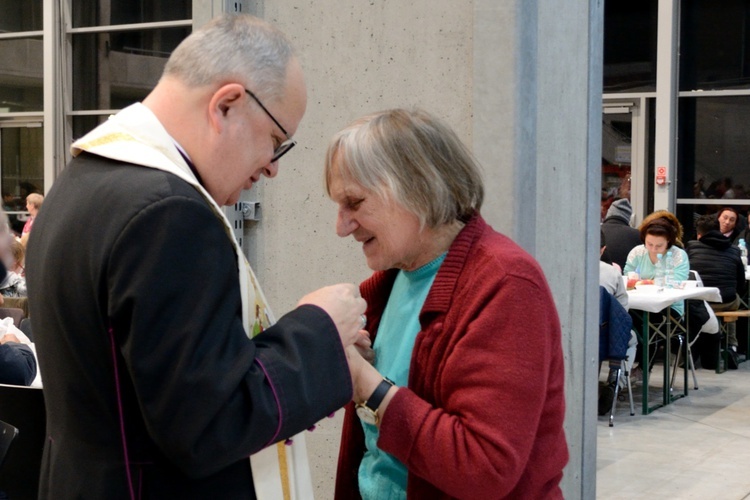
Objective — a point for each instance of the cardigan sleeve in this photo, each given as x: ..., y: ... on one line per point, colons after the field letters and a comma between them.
x: 681, y: 264
x: 499, y: 385
x: 210, y: 396
x: 633, y: 261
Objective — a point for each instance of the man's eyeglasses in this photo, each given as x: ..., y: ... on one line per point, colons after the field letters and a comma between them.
x: 285, y: 146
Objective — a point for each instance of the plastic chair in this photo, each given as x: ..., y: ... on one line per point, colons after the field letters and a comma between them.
x: 615, y: 327
x: 24, y: 407
x: 726, y: 318
x: 25, y: 327
x: 623, y: 372
x: 681, y: 334
x: 7, y: 434
x: 12, y: 312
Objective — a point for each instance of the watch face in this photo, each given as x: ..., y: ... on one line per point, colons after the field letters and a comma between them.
x: 367, y: 415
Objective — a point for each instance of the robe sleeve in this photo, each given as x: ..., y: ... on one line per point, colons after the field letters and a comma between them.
x: 210, y: 396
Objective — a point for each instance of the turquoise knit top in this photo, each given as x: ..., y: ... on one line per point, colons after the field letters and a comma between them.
x: 382, y: 476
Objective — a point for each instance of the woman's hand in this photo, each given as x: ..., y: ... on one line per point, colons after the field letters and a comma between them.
x: 365, y: 379
x: 364, y: 346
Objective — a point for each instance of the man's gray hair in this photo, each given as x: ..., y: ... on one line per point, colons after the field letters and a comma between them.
x: 412, y: 158
x: 234, y: 47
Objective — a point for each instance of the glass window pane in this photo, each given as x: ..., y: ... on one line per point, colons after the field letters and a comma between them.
x: 715, y: 43
x: 98, y: 13
x: 713, y: 148
x: 616, y: 157
x: 21, y: 75
x: 21, y: 167
x: 688, y: 214
x: 84, y: 124
x: 20, y: 15
x: 629, y: 45
x: 113, y: 70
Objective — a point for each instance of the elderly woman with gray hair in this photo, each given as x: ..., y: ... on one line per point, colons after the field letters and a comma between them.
x: 464, y: 396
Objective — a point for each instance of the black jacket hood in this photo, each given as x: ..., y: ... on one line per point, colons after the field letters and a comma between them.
x: 716, y: 240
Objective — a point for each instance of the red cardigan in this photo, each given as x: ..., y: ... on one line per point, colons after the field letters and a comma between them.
x: 482, y: 416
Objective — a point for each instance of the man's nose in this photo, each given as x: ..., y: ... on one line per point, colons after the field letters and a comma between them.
x: 272, y: 169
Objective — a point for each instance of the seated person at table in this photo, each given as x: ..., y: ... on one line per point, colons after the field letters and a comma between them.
x: 731, y: 223
x: 18, y: 253
x: 611, y: 279
x: 660, y: 232
x: 11, y: 284
x: 462, y: 321
x: 621, y: 238
x: 17, y: 361
x: 719, y: 264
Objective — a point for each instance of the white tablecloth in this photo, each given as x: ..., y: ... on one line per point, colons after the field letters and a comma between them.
x: 655, y: 301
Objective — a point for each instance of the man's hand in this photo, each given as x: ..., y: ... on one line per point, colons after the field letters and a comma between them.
x: 344, y: 305
x: 364, y: 346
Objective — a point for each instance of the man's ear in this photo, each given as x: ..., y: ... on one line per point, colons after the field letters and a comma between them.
x: 224, y: 101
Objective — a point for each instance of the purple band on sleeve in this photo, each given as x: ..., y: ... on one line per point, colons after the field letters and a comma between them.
x: 121, y: 414
x: 276, y: 397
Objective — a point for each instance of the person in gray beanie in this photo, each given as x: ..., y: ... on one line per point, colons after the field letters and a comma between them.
x: 620, y: 209
x: 621, y: 238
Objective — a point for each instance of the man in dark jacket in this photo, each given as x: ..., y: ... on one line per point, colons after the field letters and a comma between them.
x: 719, y: 264
x: 142, y: 301
x: 621, y: 238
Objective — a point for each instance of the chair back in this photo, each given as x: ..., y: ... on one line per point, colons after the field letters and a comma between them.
x: 25, y: 327
x: 17, y: 303
x: 614, y: 327
x: 693, y: 275
x: 7, y: 434
x: 12, y: 312
x: 23, y: 408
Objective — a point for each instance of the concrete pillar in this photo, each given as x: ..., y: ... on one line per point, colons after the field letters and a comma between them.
x: 520, y: 81
x: 537, y: 130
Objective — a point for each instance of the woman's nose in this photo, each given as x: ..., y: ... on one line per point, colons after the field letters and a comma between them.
x: 345, y: 224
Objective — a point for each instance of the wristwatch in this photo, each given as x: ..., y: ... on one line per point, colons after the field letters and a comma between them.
x: 368, y: 411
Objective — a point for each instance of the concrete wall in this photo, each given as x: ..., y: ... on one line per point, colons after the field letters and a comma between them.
x: 513, y: 78
x: 568, y: 146
x: 537, y: 126
x: 359, y: 57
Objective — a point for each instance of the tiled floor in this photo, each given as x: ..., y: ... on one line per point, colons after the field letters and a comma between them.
x: 698, y: 447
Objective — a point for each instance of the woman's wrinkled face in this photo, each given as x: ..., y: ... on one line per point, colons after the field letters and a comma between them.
x: 727, y: 221
x: 390, y: 234
x: 655, y: 245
